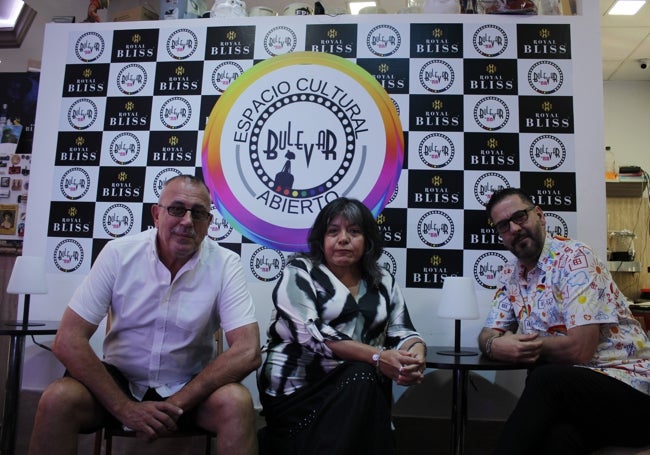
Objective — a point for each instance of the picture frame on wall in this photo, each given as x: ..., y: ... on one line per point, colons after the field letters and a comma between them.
x: 8, y: 214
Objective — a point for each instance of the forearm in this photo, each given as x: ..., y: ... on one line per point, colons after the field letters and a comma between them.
x: 241, y: 358
x: 83, y: 365
x: 486, y: 338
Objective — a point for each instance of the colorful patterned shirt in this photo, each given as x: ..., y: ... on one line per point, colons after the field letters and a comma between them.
x: 570, y: 287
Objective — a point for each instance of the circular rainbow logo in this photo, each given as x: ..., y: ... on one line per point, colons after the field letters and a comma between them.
x: 294, y: 132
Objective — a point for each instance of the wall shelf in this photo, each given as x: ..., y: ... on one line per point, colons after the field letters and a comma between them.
x: 624, y: 266
x: 627, y: 188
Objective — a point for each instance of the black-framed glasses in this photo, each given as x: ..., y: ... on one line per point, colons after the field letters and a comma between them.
x: 519, y: 217
x: 179, y: 211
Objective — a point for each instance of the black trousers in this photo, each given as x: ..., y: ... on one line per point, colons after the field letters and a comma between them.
x: 574, y: 410
x: 346, y: 413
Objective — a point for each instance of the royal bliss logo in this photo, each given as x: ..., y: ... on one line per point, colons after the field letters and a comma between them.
x: 492, y: 151
x: 544, y: 41
x: 490, y: 77
x: 436, y: 41
x: 178, y: 78
x: 552, y: 114
x: 85, y: 80
x: 176, y: 148
x: 232, y: 43
x: 74, y: 148
x: 68, y: 219
x: 426, y: 269
x: 441, y: 112
x: 338, y: 40
x: 132, y: 113
x: 135, y: 45
x: 121, y: 184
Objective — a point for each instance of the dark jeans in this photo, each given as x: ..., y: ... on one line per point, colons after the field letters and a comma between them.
x: 575, y: 410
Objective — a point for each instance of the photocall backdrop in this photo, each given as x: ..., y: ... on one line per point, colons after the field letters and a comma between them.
x: 280, y: 114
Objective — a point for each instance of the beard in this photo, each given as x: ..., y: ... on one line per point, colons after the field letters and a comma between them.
x: 528, y: 245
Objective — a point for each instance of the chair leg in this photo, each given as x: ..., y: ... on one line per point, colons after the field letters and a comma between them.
x: 109, y: 443
x: 98, y: 442
x: 208, y: 445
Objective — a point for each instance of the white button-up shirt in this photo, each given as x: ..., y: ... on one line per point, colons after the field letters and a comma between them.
x: 162, y: 331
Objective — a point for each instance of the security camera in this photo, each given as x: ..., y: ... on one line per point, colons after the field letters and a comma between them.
x: 643, y: 63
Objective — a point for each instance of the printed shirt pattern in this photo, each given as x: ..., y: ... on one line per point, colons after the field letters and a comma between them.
x: 571, y: 287
x: 312, y: 306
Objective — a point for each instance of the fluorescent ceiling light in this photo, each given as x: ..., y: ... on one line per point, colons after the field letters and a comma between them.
x: 356, y: 6
x: 10, y: 20
x: 626, y: 7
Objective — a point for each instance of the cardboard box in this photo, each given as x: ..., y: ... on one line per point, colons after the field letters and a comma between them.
x: 182, y: 9
x: 139, y: 13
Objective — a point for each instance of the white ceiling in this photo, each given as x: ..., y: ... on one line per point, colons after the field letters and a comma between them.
x: 625, y: 39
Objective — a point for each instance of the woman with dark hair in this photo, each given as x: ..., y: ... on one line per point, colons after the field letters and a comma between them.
x: 340, y: 334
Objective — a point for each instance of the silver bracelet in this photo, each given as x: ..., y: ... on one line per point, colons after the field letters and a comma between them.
x: 418, y: 342
x: 488, y: 344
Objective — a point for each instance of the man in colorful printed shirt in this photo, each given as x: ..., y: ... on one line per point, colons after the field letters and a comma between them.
x: 557, y: 308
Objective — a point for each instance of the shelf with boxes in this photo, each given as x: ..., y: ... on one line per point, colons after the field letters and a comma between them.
x: 625, y: 188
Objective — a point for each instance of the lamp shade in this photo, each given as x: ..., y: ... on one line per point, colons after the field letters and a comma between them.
x: 28, y: 276
x: 458, y: 299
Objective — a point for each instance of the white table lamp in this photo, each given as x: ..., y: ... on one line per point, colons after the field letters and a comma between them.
x: 27, y: 277
x: 458, y: 301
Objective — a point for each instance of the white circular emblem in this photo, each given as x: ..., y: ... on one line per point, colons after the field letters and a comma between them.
x: 281, y: 143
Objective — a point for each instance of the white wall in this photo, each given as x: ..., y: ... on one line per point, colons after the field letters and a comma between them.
x: 627, y: 122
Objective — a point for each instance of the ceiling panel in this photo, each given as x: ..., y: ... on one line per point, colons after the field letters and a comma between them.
x: 625, y: 39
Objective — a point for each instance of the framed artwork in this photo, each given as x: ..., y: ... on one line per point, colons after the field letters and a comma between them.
x: 8, y: 219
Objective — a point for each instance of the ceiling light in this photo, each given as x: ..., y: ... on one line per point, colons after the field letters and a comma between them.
x: 354, y: 7
x: 626, y: 7
x: 13, y: 13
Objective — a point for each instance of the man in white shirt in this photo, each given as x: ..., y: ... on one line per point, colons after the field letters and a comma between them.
x: 167, y: 291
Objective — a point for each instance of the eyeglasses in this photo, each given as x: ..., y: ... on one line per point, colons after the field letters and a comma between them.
x: 519, y: 218
x: 179, y: 211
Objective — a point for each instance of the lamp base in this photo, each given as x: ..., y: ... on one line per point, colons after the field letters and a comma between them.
x: 24, y: 324
x: 457, y: 352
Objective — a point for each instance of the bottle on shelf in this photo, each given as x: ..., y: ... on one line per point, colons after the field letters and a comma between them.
x: 611, y: 173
